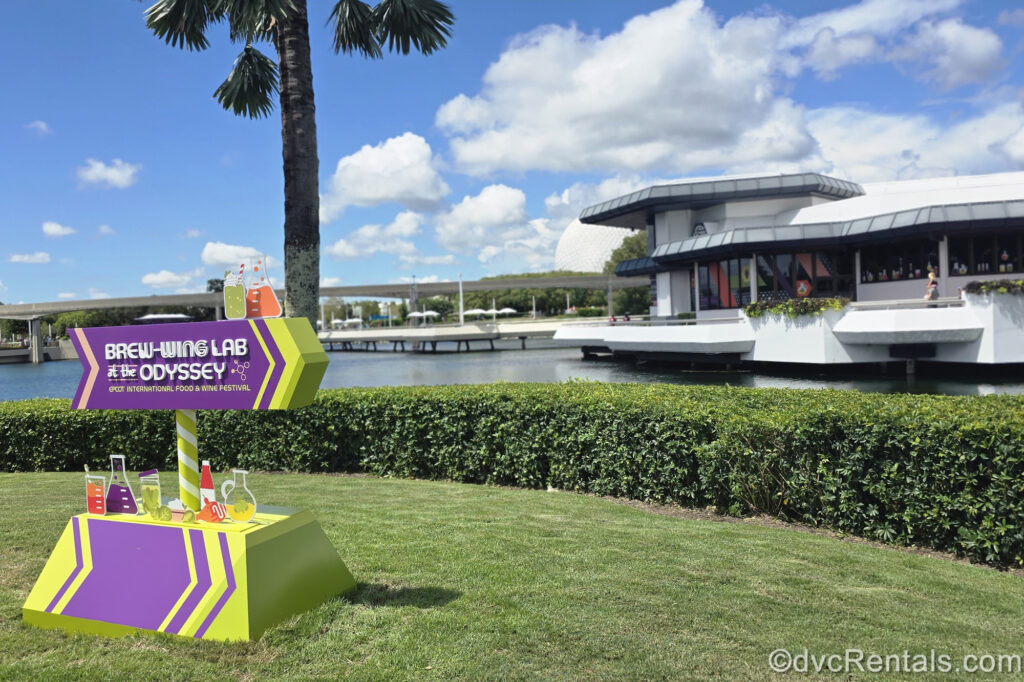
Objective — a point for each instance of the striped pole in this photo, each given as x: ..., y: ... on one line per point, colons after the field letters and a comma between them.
x: 188, y: 458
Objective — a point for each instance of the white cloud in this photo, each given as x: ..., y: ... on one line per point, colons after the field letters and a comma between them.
x: 393, y: 239
x: 400, y: 169
x: 679, y: 90
x: 673, y: 89
x: 37, y: 257
x: 958, y: 54
x: 165, y: 279
x: 429, y: 279
x: 64, y: 295
x: 495, y: 227
x: 877, y: 17
x: 232, y: 255
x: 105, y: 230
x: 97, y: 293
x: 865, y: 146
x: 118, y: 173
x: 39, y: 127
x: 192, y: 234
x: 330, y: 281
x: 1011, y: 17
x: 410, y: 261
x: 495, y: 215
x: 53, y: 230
x: 828, y: 53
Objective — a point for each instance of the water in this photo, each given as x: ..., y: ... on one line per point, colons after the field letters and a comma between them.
x: 537, y: 364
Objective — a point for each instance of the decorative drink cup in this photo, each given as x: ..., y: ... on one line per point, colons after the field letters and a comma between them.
x: 95, y: 501
x: 150, y: 483
x: 234, y: 300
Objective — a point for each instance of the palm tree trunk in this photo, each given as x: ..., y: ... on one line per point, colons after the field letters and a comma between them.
x: 301, y: 168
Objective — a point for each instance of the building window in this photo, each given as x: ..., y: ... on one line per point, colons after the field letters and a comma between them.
x: 986, y: 254
x: 724, y: 284
x: 899, y: 260
x: 817, y: 274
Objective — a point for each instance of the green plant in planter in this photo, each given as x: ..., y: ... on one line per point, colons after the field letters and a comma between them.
x: 795, y: 307
x: 996, y: 286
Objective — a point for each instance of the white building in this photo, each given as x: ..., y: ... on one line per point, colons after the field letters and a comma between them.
x: 811, y: 235
x: 715, y: 245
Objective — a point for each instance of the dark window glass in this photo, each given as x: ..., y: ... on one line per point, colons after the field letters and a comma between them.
x: 824, y: 274
x: 1006, y: 253
x: 784, y: 275
x: 983, y: 254
x: 766, y: 290
x: 959, y: 256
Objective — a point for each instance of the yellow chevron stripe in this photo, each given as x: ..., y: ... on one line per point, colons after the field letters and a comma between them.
x: 218, y: 583
x: 83, y: 533
x: 270, y: 359
x: 193, y: 579
x: 293, y: 363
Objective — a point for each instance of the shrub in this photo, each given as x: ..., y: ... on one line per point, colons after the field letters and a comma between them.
x: 939, y: 471
x: 795, y: 307
x: 996, y: 286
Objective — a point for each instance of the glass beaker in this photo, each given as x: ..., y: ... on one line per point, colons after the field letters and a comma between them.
x: 94, y: 502
x: 234, y: 297
x: 238, y: 500
x: 149, y: 481
x: 120, y: 499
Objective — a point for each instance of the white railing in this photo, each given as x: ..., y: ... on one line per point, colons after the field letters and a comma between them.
x: 902, y: 304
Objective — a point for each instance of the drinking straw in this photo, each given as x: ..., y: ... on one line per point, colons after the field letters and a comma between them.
x: 188, y: 458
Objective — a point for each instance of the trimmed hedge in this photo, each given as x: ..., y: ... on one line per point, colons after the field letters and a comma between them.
x: 940, y: 471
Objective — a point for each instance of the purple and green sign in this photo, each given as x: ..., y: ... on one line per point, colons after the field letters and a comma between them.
x: 259, y: 364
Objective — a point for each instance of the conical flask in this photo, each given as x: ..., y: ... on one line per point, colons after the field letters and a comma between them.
x: 120, y: 499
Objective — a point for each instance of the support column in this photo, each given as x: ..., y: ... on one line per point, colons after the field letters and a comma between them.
x: 188, y: 458
x: 857, y: 276
x: 611, y: 309
x: 753, y: 278
x: 944, y: 286
x: 220, y: 313
x: 35, y: 334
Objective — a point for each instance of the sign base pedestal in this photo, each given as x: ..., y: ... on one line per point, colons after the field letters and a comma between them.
x: 117, y: 574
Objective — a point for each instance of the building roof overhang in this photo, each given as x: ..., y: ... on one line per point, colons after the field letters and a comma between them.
x: 927, y: 220
x: 631, y: 210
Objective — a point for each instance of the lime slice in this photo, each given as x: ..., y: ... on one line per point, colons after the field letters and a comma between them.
x: 164, y: 514
x: 188, y: 517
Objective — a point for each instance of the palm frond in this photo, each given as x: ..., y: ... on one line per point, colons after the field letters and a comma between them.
x: 252, y: 20
x: 355, y: 29
x: 248, y: 89
x: 403, y: 24
x: 181, y: 23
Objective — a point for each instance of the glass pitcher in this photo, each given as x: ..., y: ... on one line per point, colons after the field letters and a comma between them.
x: 238, y: 500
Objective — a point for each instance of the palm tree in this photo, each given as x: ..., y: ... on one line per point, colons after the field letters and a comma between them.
x: 401, y: 25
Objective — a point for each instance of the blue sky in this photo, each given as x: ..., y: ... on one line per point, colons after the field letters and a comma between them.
x: 119, y: 175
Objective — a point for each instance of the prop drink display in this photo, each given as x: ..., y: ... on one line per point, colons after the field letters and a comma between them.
x: 195, y: 566
x: 234, y: 294
x: 94, y: 500
x: 260, y: 299
x: 240, y: 503
x: 120, y: 499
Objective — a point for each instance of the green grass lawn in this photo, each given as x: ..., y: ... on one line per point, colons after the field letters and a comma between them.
x: 463, y: 581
